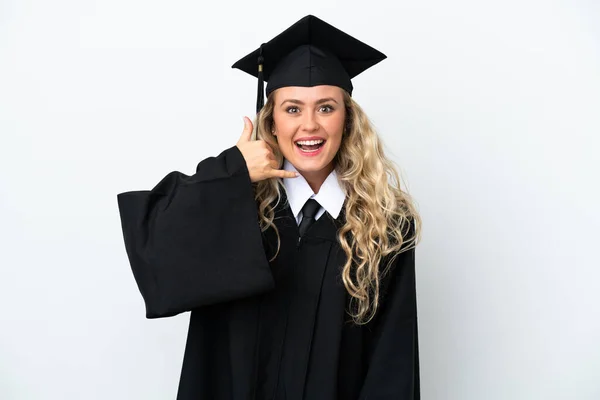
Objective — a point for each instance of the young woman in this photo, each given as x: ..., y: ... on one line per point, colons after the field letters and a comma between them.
x: 294, y: 249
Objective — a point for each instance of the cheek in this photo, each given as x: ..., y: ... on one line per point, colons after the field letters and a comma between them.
x: 285, y: 143
x: 336, y: 143
x: 335, y: 130
x: 285, y: 128
x: 284, y: 137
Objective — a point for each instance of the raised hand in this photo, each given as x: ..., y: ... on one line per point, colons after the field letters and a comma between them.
x: 259, y: 157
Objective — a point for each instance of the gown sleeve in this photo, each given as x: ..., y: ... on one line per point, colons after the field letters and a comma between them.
x: 392, y: 340
x: 195, y: 240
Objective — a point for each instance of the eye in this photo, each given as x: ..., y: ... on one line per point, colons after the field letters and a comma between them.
x: 289, y: 110
x: 327, y: 107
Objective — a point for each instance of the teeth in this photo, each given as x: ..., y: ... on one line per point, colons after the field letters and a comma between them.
x: 310, y: 142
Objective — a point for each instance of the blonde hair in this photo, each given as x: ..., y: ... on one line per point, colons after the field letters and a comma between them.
x: 381, y: 220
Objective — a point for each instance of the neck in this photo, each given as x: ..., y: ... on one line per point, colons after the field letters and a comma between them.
x: 316, y: 179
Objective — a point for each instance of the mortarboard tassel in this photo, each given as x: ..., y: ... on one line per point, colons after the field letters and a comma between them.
x: 260, y: 96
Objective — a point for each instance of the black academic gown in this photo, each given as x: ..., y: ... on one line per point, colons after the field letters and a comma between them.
x: 264, y: 330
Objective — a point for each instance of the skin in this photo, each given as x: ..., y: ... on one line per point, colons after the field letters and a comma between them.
x: 301, y: 112
x: 259, y: 157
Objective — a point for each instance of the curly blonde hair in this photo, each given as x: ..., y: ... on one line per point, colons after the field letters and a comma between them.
x: 381, y: 219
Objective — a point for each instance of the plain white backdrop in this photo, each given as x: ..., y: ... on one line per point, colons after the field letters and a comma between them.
x: 490, y: 108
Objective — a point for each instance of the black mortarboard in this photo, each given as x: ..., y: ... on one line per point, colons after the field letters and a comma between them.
x: 309, y: 53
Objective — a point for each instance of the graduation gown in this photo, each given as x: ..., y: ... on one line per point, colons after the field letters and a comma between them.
x: 258, y: 329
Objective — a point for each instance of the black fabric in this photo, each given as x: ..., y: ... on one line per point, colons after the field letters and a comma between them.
x: 263, y: 330
x: 310, y: 52
x: 309, y: 210
x: 172, y: 231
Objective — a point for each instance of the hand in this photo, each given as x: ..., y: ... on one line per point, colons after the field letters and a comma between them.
x: 259, y: 157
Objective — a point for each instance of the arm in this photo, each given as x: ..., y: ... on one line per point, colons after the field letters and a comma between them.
x: 392, y: 342
x: 195, y: 240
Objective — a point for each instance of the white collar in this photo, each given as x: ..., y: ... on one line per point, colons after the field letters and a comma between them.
x: 331, y: 196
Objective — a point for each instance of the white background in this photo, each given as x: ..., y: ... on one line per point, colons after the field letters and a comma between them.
x: 491, y: 109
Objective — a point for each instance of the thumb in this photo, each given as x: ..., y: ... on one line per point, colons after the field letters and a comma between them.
x: 247, y: 133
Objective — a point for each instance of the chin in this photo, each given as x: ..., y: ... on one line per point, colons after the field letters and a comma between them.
x: 310, y: 166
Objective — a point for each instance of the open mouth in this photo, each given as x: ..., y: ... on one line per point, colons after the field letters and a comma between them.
x: 310, y: 146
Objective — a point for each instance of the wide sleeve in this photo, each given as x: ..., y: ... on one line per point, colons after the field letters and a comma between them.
x: 195, y: 240
x: 392, y: 340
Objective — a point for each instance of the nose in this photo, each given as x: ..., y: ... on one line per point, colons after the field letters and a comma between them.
x: 309, y: 122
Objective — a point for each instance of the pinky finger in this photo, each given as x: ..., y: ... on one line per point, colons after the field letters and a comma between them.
x: 281, y: 173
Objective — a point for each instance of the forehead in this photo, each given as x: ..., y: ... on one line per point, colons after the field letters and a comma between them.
x: 308, y: 94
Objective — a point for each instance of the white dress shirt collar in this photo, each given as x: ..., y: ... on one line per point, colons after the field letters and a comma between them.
x: 331, y: 196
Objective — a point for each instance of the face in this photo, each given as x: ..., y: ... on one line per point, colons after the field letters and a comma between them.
x: 308, y: 124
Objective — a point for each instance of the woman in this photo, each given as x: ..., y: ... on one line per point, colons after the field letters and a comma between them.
x: 293, y: 250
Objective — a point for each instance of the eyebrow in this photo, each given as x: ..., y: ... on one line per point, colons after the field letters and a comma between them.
x: 320, y: 101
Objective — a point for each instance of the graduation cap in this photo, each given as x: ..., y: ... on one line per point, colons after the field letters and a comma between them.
x: 309, y: 53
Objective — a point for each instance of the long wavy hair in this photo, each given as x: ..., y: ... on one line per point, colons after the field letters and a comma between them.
x: 381, y: 220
